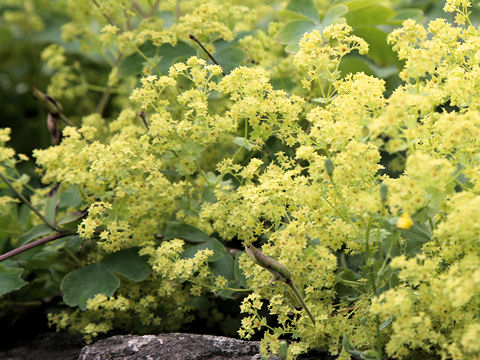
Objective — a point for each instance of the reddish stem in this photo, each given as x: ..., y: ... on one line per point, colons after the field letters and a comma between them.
x: 31, y: 245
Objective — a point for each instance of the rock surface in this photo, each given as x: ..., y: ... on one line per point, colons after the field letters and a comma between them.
x: 171, y: 347
x: 47, y: 346
x: 63, y: 346
x: 177, y: 347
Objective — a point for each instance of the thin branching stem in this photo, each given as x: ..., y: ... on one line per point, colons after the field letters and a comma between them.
x: 33, y: 244
x: 193, y: 37
x: 29, y: 204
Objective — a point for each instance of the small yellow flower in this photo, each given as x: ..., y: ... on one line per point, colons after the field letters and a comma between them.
x: 404, y: 222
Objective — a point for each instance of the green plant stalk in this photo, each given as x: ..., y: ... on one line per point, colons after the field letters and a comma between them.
x: 73, y: 256
x: 279, y: 271
x: 379, y: 339
x: 193, y: 37
x: 300, y: 299
x: 378, y: 342
x: 29, y: 204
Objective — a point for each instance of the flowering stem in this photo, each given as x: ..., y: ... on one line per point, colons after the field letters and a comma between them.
x: 379, y: 339
x: 140, y: 52
x: 279, y: 271
x: 73, y: 256
x: 104, y: 14
x: 152, y: 9
x: 51, y: 105
x: 29, y: 204
x: 300, y: 299
x: 218, y: 288
x: 191, y: 36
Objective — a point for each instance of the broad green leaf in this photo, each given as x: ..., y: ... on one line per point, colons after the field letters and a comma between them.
x: 230, y: 58
x: 283, y: 83
x: 237, y: 271
x: 71, y: 217
x: 334, y: 15
x: 51, y: 205
x: 72, y: 242
x: 373, y: 14
x: 70, y: 198
x: 212, y: 244
x: 24, y: 213
x: 47, y: 258
x: 208, y: 195
x: 379, y: 50
x: 364, y: 355
x: 10, y: 279
x: 240, y: 141
x: 33, y: 233
x: 191, y: 150
x: 293, y: 31
x: 384, y: 72
x: 199, y: 302
x: 185, y: 232
x: 345, y: 291
x: 416, y: 237
x: 355, y: 64
x: 221, y: 45
x: 290, y: 15
x: 404, y: 14
x: 292, y: 48
x: 355, y: 5
x: 83, y: 284
x: 170, y: 53
x: 128, y: 263
x: 133, y: 64
x: 51, y: 33
x: 304, y: 7
x: 224, y: 266
x: 168, y: 18
x: 435, y: 200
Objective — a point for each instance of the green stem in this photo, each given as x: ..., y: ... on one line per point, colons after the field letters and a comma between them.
x: 379, y: 339
x: 240, y: 149
x: 300, y: 299
x: 220, y: 289
x: 246, y: 130
x: 379, y: 228
x: 140, y: 52
x: 330, y: 83
x: 73, y: 256
x: 460, y: 184
x: 334, y: 208
x: 29, y: 204
x: 107, y: 91
x: 342, y: 200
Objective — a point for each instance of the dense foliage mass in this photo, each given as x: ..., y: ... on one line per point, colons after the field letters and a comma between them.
x: 322, y: 172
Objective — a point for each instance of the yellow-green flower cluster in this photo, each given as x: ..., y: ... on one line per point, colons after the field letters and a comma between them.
x: 134, y: 303
x: 320, y: 54
x: 204, y: 156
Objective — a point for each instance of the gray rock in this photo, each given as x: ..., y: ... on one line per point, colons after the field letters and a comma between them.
x: 171, y: 347
x: 47, y: 346
x: 178, y: 346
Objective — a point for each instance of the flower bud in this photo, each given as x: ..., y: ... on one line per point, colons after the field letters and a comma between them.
x: 383, y: 192
x: 329, y: 166
x: 279, y: 271
x: 283, y: 350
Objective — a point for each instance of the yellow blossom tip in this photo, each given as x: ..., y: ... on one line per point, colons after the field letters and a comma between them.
x: 404, y: 222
